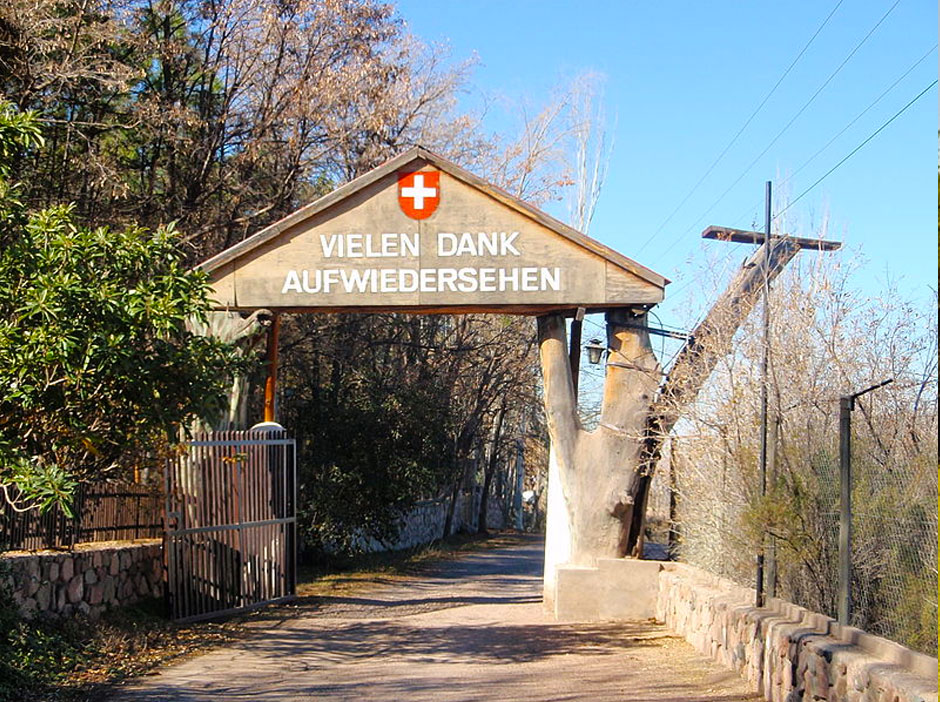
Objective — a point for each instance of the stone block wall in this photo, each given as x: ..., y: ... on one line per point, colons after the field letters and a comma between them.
x: 788, y: 653
x: 86, y: 581
x: 424, y: 522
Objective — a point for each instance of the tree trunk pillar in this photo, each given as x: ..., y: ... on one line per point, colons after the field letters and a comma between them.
x: 591, y: 474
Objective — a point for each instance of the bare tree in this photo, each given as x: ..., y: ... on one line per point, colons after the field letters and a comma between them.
x: 592, y: 148
x: 827, y: 341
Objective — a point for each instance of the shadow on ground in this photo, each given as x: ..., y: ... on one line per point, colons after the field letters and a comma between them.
x: 469, y: 630
x: 482, y: 643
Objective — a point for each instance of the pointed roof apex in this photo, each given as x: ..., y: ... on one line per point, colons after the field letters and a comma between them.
x: 369, y: 206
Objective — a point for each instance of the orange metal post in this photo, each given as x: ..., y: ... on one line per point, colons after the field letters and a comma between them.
x: 270, y: 385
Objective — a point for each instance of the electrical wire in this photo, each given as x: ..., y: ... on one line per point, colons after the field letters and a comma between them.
x: 857, y: 148
x: 786, y: 127
x: 740, y: 131
x: 662, y: 344
x: 847, y: 156
x: 842, y: 131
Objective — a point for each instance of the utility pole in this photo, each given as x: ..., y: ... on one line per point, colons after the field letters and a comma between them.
x: 765, y: 353
x: 766, y: 239
x: 846, y: 405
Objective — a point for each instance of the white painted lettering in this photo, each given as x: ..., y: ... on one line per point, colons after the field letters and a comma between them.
x: 317, y: 282
x: 508, y: 279
x: 505, y: 244
x: 410, y: 244
x: 330, y: 278
x: 466, y: 245
x: 328, y: 245
x: 487, y: 279
x: 468, y: 280
x: 412, y: 284
x: 388, y: 249
x: 530, y: 279
x: 291, y: 283
x: 355, y: 280
x: 551, y: 279
x: 446, y: 244
x: 446, y: 279
x: 387, y: 277
x: 354, y: 245
x: 487, y: 242
x: 428, y: 279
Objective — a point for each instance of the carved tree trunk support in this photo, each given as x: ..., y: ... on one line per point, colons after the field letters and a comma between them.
x: 594, y: 472
x: 709, y: 342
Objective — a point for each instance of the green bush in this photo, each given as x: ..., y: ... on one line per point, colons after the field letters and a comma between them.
x: 98, y: 368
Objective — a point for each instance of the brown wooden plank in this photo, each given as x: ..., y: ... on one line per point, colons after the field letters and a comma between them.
x: 415, y: 159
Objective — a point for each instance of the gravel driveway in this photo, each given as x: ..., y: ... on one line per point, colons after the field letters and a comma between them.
x: 468, y: 629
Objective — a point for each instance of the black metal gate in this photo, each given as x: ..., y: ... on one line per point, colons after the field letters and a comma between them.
x: 230, y: 539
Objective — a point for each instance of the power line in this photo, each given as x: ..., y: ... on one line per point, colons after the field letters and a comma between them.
x: 847, y: 126
x: 857, y: 148
x: 787, y: 126
x: 740, y: 131
x: 851, y: 153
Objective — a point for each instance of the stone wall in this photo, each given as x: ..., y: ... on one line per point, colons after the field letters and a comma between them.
x: 87, y: 580
x: 424, y: 522
x: 788, y: 653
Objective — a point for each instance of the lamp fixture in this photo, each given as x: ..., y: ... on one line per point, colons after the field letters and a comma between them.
x: 594, y: 349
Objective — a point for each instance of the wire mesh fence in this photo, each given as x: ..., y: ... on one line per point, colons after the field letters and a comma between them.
x: 894, y: 545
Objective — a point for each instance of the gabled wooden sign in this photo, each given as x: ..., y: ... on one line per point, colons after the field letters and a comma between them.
x: 420, y: 234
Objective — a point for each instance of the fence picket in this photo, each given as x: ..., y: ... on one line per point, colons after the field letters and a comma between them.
x: 234, y: 546
x: 103, y: 512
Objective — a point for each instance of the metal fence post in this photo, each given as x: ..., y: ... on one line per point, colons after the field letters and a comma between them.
x: 845, y: 508
x: 846, y: 405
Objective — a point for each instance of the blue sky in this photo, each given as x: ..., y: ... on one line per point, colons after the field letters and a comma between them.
x: 682, y: 78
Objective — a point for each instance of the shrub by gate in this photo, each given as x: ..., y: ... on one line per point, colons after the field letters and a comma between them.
x: 231, y: 528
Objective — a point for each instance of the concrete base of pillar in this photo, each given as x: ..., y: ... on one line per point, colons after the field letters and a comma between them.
x: 616, y: 589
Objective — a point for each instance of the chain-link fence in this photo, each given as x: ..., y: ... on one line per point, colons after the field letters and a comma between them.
x: 825, y: 343
x: 894, y: 523
x: 894, y: 555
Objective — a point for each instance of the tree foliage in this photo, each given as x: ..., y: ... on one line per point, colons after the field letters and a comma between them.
x: 222, y: 117
x: 389, y: 409
x: 97, y: 369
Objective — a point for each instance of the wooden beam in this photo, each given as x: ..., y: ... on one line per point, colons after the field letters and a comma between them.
x: 709, y: 342
x: 711, y: 339
x: 740, y: 236
x: 574, y: 348
x: 521, y: 310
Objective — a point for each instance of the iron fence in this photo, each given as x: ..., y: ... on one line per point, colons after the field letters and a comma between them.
x: 102, y: 512
x: 230, y: 538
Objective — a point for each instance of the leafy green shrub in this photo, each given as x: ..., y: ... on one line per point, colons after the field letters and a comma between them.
x: 98, y: 368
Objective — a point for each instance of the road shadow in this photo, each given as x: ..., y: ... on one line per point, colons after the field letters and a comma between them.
x: 342, y: 642
x: 326, y: 605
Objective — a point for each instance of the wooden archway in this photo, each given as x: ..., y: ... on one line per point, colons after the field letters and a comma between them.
x: 421, y: 235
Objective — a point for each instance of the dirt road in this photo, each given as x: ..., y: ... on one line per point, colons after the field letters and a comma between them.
x: 469, y: 629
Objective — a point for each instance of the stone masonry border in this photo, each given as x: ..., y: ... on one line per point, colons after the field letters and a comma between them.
x: 86, y: 580
x: 788, y: 653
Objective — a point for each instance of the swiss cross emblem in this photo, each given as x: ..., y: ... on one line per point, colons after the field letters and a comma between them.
x: 419, y: 193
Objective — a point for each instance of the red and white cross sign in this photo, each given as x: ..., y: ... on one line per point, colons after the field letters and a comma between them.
x: 419, y: 193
